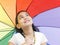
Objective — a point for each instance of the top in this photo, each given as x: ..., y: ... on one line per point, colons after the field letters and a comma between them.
x: 18, y: 39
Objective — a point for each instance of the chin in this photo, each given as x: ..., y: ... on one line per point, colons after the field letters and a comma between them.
x: 28, y: 24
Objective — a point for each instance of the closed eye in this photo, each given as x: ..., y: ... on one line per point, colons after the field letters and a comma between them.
x: 27, y: 15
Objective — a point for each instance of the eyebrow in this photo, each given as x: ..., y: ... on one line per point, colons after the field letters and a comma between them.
x: 21, y: 15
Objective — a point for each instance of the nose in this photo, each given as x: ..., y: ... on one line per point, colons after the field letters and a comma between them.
x: 25, y: 18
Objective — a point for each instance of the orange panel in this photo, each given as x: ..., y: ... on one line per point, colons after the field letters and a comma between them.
x: 10, y: 8
x: 23, y: 4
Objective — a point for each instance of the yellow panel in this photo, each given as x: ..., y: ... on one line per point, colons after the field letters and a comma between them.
x: 4, y: 18
x: 4, y: 27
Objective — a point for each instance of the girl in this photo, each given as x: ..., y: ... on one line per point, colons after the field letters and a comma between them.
x: 26, y: 32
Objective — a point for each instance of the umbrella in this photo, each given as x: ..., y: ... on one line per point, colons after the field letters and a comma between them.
x: 34, y: 7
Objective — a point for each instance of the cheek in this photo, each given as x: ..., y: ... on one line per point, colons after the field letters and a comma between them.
x: 31, y: 21
x: 30, y: 18
x: 20, y: 22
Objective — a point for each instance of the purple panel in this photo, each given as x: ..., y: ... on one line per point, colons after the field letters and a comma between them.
x: 52, y: 34
x: 50, y: 18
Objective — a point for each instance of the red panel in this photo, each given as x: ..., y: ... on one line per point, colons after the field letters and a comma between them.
x: 38, y: 6
x: 22, y: 4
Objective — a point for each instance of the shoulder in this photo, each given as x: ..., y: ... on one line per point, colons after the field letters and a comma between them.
x: 18, y: 35
x: 41, y: 36
x: 17, y: 38
x: 39, y: 33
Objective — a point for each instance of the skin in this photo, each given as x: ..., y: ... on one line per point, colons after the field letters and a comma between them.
x: 25, y: 22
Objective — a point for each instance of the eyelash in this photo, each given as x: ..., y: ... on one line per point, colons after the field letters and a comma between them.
x: 26, y: 15
x: 21, y: 17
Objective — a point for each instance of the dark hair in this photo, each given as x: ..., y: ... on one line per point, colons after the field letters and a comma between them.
x: 20, y: 30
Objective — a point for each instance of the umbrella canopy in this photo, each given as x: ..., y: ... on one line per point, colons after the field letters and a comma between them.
x: 36, y: 8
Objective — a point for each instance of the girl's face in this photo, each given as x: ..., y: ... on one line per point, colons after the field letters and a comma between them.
x: 24, y: 19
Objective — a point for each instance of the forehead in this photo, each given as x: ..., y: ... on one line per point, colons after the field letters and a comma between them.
x: 22, y: 13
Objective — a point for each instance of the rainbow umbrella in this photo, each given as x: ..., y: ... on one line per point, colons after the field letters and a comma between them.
x: 36, y: 8
x: 7, y: 16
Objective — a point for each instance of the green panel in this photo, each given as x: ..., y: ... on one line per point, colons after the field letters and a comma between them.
x: 5, y: 39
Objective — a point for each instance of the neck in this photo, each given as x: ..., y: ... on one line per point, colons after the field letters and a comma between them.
x: 28, y: 30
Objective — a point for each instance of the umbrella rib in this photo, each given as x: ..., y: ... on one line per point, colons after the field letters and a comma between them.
x: 29, y: 5
x: 6, y: 24
x: 9, y: 33
x: 5, y: 29
x: 44, y: 11
x: 48, y: 26
x: 6, y: 13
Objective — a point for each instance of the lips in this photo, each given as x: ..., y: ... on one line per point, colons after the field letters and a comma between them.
x: 26, y: 21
